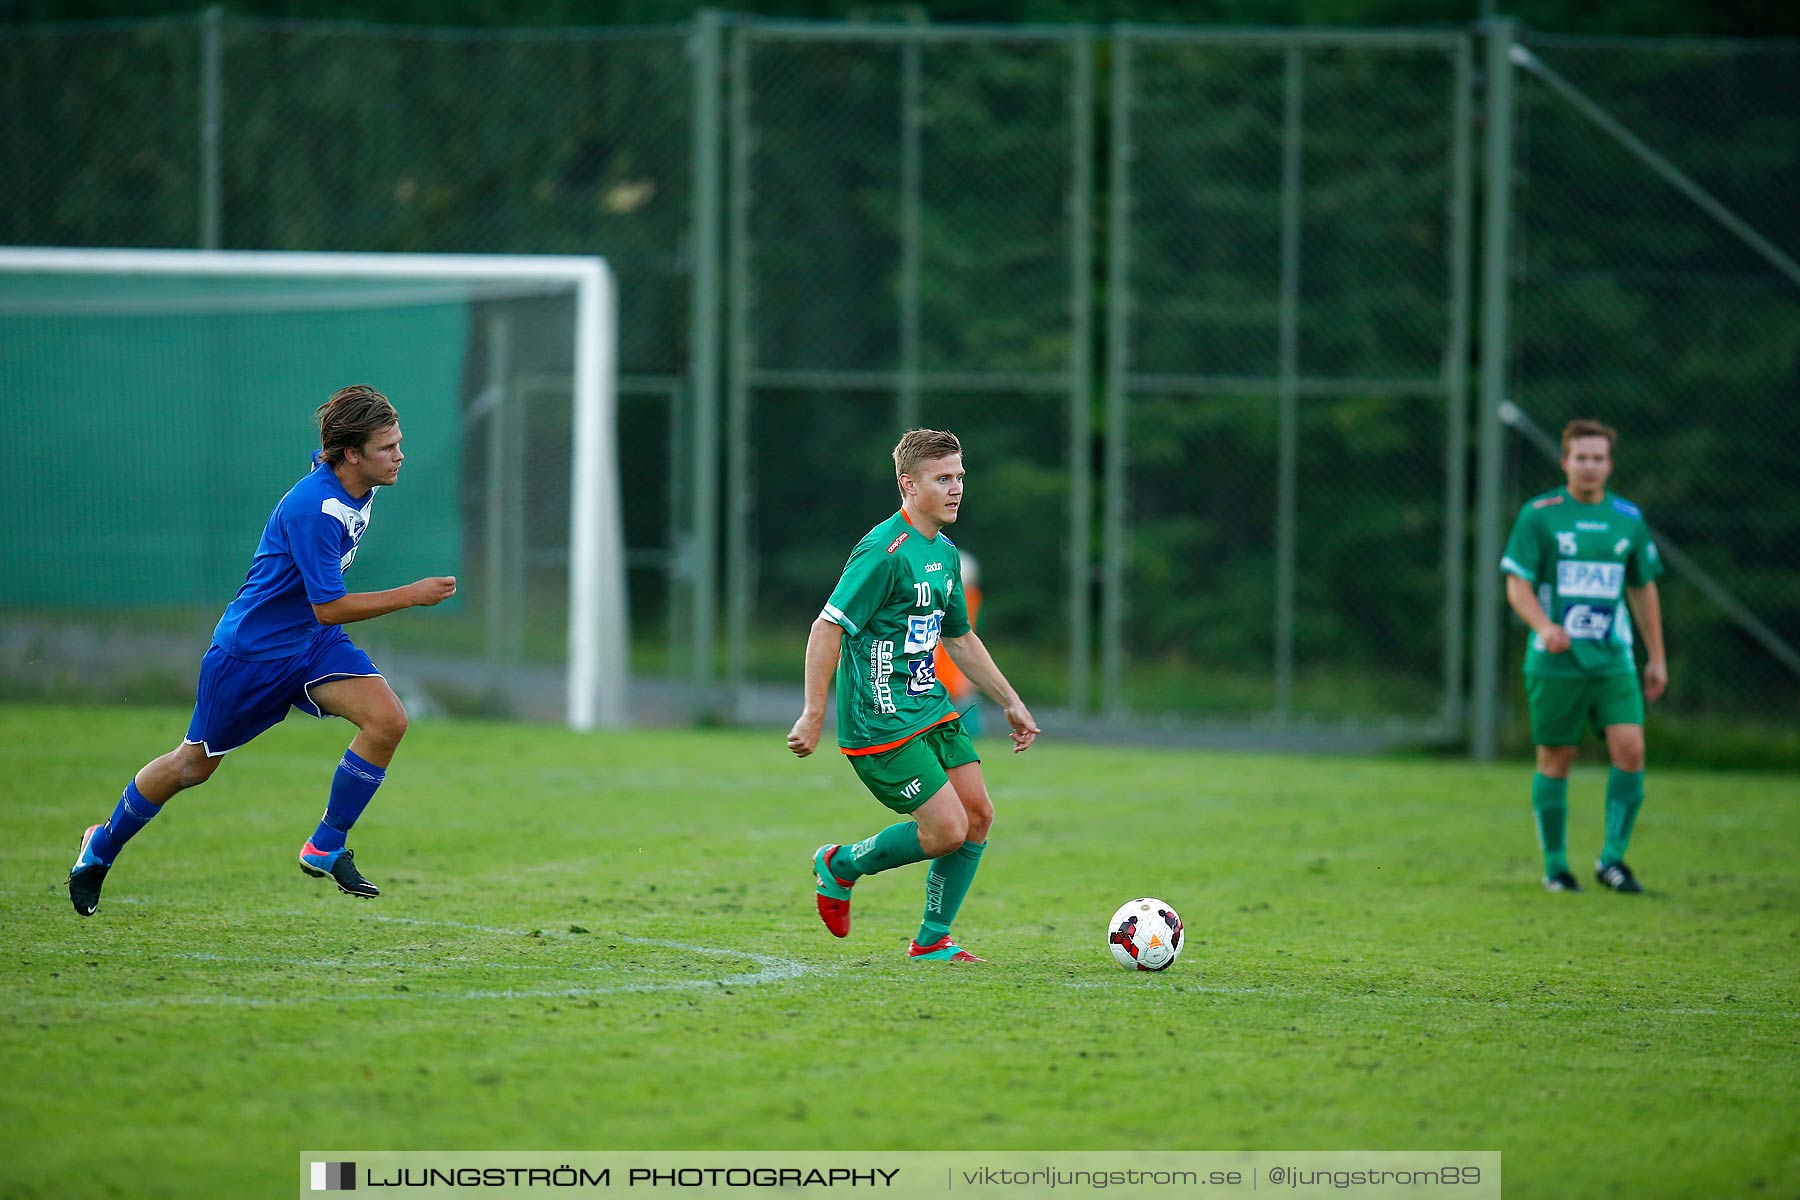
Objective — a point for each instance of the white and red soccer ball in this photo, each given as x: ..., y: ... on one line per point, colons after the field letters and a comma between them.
x: 1144, y: 935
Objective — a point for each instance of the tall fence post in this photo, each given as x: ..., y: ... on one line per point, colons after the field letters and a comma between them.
x: 703, y: 350
x: 1495, y: 267
x: 212, y: 51
x: 1081, y: 332
x: 1288, y: 451
x: 1118, y: 367
x: 911, y: 237
x: 740, y: 595
x: 1456, y: 389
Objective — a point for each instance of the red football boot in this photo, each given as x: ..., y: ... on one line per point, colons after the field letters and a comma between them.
x: 942, y: 950
x: 834, y: 893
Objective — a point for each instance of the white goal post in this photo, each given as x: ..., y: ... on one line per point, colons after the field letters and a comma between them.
x: 597, y: 666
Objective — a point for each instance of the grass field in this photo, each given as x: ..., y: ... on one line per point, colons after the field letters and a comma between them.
x: 607, y: 942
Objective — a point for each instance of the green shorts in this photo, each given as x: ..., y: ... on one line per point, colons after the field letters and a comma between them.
x: 1562, y: 707
x: 908, y: 775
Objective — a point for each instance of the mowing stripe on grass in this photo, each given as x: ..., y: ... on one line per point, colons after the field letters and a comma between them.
x: 1280, y: 993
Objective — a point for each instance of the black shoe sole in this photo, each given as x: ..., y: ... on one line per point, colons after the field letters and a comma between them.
x: 79, y: 870
x: 91, y: 909
x: 1631, y: 887
x: 318, y: 874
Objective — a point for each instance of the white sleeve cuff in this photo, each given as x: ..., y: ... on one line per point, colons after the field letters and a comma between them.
x: 835, y: 615
x: 1513, y: 568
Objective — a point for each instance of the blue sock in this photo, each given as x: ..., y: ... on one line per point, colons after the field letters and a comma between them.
x: 132, y: 813
x: 351, y: 790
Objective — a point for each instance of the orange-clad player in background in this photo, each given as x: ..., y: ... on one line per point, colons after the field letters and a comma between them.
x: 962, y: 692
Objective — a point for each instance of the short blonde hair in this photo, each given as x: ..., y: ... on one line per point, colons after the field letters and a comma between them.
x: 921, y: 445
x: 1582, y: 427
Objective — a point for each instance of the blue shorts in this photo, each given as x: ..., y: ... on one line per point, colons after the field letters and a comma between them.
x: 239, y: 698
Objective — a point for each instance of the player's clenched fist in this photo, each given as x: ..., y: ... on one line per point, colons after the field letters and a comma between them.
x: 803, y: 738
x: 434, y: 590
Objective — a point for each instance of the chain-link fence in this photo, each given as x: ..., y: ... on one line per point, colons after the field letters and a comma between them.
x: 1289, y: 281
x: 1655, y: 286
x: 908, y: 223
x: 1199, y: 302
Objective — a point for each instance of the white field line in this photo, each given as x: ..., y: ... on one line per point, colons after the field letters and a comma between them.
x: 771, y: 968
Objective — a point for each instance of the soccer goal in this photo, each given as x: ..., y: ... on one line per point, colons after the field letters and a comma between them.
x: 157, y: 404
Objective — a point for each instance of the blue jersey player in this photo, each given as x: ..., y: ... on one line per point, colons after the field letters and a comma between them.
x: 281, y: 644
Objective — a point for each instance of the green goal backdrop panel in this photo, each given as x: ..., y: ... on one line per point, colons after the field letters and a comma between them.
x: 150, y: 446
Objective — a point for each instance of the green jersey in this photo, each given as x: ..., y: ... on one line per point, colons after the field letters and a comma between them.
x: 1582, y: 557
x: 900, y: 592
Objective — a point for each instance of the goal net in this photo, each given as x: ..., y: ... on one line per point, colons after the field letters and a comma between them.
x: 158, y: 403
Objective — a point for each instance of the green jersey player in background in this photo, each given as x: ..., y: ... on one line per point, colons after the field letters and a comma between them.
x: 1576, y: 556
x: 900, y: 594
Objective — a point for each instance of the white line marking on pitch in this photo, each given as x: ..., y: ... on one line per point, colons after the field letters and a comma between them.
x: 771, y: 968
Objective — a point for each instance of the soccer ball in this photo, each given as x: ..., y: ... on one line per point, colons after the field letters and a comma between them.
x: 1145, y: 934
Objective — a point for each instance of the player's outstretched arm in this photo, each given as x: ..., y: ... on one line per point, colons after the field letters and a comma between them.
x: 360, y: 606
x: 1523, y: 598
x: 822, y: 646
x: 973, y: 659
x: 1646, y: 606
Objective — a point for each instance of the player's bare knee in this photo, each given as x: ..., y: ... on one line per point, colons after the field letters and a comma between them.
x: 1555, y: 761
x: 1627, y: 752
x: 193, y: 767
x: 389, y: 726
x: 939, y: 839
x: 942, y: 845
x: 981, y: 822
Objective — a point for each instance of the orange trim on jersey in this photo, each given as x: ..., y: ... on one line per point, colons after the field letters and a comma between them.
x: 932, y: 537
x: 943, y: 666
x: 860, y: 750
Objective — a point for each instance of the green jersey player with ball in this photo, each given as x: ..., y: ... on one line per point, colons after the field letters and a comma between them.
x: 900, y: 594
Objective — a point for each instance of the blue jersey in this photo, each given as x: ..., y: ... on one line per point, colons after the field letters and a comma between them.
x: 310, y: 539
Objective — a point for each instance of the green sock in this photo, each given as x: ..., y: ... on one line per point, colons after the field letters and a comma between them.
x: 894, y: 846
x: 945, y: 888
x: 1550, y: 804
x: 1624, y: 796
